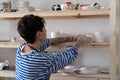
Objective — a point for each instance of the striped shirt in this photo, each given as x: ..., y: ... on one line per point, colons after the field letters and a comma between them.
x: 39, y: 65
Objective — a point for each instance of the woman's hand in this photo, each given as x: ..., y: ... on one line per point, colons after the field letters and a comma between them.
x: 79, y: 38
x: 84, y: 39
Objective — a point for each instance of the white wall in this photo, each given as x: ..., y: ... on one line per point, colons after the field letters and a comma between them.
x: 86, y: 57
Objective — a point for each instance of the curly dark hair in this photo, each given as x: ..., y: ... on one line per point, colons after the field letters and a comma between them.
x: 28, y: 26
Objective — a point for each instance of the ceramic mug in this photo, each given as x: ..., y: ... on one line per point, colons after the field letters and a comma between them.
x: 1, y: 65
x: 4, y: 65
x: 23, y: 3
x: 55, y: 34
x: 56, y: 7
x: 99, y: 36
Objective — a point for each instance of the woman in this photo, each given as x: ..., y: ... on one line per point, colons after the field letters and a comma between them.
x: 31, y: 61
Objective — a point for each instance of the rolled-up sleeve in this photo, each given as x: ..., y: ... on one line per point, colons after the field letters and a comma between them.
x: 45, y: 45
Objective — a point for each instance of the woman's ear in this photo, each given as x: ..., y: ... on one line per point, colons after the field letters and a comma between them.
x: 38, y: 35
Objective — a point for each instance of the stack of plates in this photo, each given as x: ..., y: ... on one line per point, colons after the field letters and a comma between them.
x: 88, y: 70
x: 68, y: 69
x: 25, y: 9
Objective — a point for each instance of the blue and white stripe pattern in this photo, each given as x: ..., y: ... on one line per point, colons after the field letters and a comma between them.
x: 39, y: 65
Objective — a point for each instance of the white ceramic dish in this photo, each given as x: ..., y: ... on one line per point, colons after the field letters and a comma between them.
x: 71, y: 68
x: 68, y: 69
x: 89, y: 8
x: 88, y: 70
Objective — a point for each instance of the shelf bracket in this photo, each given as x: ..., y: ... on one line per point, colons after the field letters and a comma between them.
x: 78, y: 15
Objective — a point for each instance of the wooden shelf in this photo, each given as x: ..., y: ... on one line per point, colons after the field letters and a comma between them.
x: 57, y: 14
x: 97, y: 76
x: 7, y: 73
x: 94, y: 46
x: 9, y: 44
x: 87, y: 46
x: 63, y: 45
x: 11, y: 74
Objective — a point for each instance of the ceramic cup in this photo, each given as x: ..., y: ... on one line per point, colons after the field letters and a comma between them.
x: 55, y: 34
x: 99, y: 36
x: 23, y: 3
x: 1, y: 65
x: 63, y: 6
x: 56, y: 7
x: 13, y: 39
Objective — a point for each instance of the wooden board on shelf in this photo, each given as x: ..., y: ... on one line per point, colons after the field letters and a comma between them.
x: 70, y: 78
x: 60, y: 46
x: 9, y: 44
x: 64, y: 45
x: 87, y: 46
x: 80, y: 76
x: 104, y: 79
x: 57, y: 14
x: 8, y: 73
x: 104, y: 45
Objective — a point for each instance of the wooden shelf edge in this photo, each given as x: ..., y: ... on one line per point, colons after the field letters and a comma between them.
x: 11, y: 74
x: 9, y: 44
x: 57, y: 14
x: 60, y: 46
x: 87, y: 46
x: 99, y: 75
x: 7, y: 73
